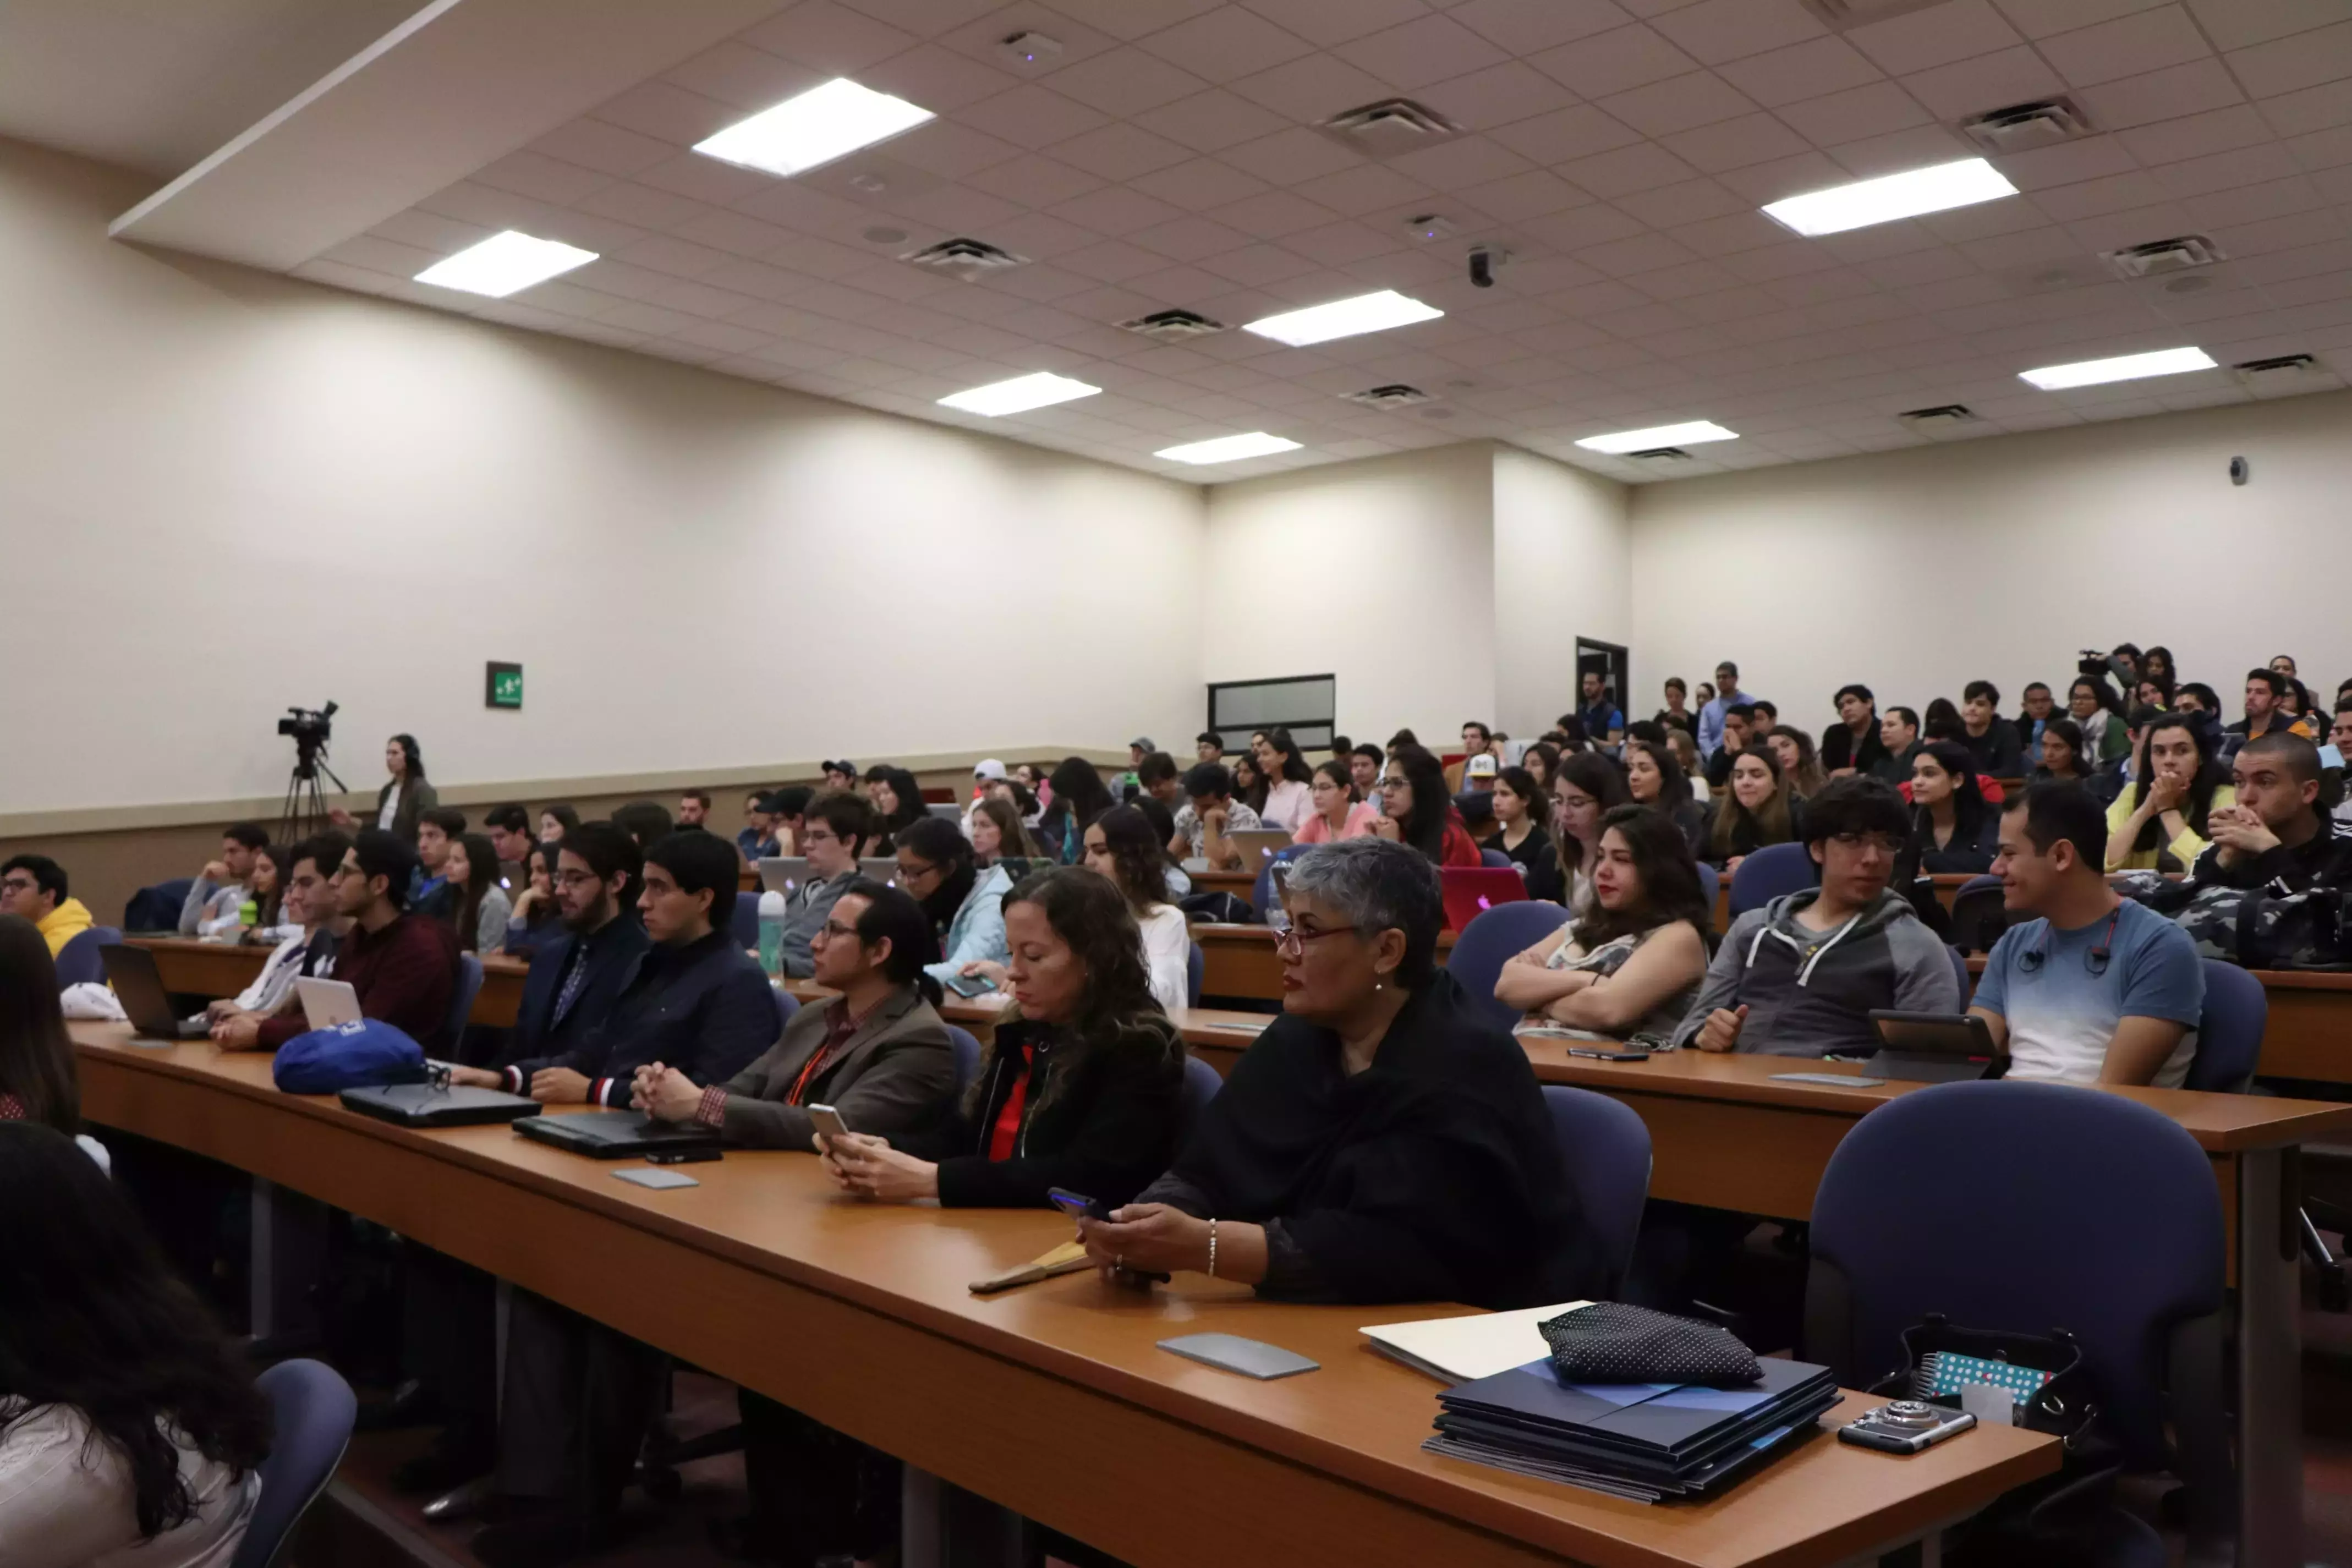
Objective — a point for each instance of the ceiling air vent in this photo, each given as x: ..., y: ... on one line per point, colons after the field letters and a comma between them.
x: 1929, y: 421
x: 2025, y: 126
x: 2279, y: 373
x: 1660, y: 455
x: 1397, y: 395
x: 1172, y: 326
x: 2162, y: 256
x: 1391, y: 126
x: 964, y: 259
x: 1845, y: 14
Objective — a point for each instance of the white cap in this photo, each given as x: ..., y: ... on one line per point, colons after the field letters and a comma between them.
x: 989, y: 768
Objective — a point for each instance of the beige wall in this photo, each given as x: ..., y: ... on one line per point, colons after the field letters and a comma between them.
x: 1998, y: 559
x: 222, y: 492
x: 1563, y: 570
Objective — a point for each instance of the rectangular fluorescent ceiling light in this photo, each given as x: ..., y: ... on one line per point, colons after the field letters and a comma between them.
x: 2129, y: 367
x: 1689, y: 434
x: 1019, y: 394
x: 504, y: 263
x: 1344, y: 318
x: 1228, y: 449
x: 1866, y: 202
x: 820, y: 125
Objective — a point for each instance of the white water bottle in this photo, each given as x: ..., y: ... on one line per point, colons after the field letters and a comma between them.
x: 772, y: 932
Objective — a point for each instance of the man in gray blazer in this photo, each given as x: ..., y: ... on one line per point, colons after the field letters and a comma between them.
x: 878, y: 1053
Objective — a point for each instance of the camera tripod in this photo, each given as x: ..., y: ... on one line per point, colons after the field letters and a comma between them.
x: 305, y: 811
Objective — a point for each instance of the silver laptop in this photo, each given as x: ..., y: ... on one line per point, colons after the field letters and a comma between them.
x: 883, y: 869
x: 783, y: 873
x: 947, y: 810
x: 328, y: 1004
x: 1257, y: 845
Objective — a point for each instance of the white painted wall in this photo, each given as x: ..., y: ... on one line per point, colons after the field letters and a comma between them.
x: 222, y: 492
x: 1917, y: 571
x: 1381, y: 572
x: 1563, y: 569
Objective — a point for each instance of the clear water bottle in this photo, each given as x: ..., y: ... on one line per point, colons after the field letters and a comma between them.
x: 771, y: 933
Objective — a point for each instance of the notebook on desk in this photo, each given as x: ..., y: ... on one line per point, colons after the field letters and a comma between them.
x: 1465, y: 1349
x: 428, y: 1105
x: 613, y: 1134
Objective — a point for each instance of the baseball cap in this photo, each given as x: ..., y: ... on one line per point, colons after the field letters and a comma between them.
x: 1142, y: 743
x: 1482, y: 766
x: 989, y: 768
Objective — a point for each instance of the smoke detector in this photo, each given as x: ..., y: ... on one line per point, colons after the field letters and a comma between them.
x: 1172, y: 326
x: 2282, y: 373
x: 1390, y: 127
x: 1396, y: 395
x: 1936, y: 420
x: 1433, y: 225
x: 964, y: 259
x: 1029, y: 51
x: 2162, y: 256
x: 2025, y: 126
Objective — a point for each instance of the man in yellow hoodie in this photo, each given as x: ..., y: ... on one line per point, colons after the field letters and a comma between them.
x: 34, y: 885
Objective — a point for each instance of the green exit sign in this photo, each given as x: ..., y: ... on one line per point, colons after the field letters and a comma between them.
x: 502, y: 685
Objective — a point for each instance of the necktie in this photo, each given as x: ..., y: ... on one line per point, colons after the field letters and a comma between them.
x: 574, y: 977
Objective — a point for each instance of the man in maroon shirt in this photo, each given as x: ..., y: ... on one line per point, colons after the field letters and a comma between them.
x: 403, y: 967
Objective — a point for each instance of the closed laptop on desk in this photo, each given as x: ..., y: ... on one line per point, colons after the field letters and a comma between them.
x: 613, y: 1134
x: 424, y: 1105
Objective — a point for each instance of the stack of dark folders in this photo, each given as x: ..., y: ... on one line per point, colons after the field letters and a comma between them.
x: 1646, y: 1441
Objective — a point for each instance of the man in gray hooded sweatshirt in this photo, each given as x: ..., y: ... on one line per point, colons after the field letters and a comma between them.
x: 1800, y: 976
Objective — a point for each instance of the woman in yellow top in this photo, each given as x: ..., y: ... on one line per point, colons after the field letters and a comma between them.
x: 2157, y: 823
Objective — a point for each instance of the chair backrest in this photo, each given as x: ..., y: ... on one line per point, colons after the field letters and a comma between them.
x: 1710, y: 882
x: 1202, y: 1083
x: 1494, y: 859
x: 2100, y: 1217
x: 1196, y: 971
x: 967, y: 1057
x: 1487, y: 942
x: 2229, y: 1031
x: 1262, y: 890
x: 745, y: 923
x: 78, y: 960
x: 461, y: 996
x: 1960, y: 972
x: 313, y: 1410
x: 786, y: 1006
x: 1775, y: 870
x: 157, y: 908
x: 1978, y: 915
x: 1606, y: 1147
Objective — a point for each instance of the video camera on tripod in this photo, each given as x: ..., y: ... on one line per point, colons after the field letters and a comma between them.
x: 311, y: 728
x: 305, y: 806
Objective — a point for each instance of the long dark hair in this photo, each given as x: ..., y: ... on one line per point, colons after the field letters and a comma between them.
x: 909, y: 796
x: 1012, y: 835
x: 1423, y: 827
x: 1604, y: 781
x: 1776, y: 824
x: 1968, y: 804
x: 482, y: 876
x: 267, y: 905
x: 1252, y: 794
x: 2197, y: 805
x: 37, y: 1056
x: 1674, y: 785
x: 942, y: 843
x: 1547, y: 754
x: 1079, y: 793
x: 546, y: 910
x: 1293, y: 760
x: 565, y: 818
x: 414, y: 758
x: 2071, y: 735
x: 1340, y: 773
x: 1093, y: 917
x: 97, y: 1323
x: 1943, y: 722
x: 1807, y: 778
x: 1138, y: 855
x: 1669, y: 873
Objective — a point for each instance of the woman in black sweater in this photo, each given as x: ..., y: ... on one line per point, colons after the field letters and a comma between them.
x: 1083, y: 1087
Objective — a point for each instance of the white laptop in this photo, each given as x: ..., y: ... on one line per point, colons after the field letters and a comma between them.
x: 1257, y: 844
x: 783, y: 873
x: 882, y: 869
x: 327, y: 1003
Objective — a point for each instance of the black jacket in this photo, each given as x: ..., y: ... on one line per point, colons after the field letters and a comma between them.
x: 2323, y: 860
x: 1098, y: 1119
x: 1968, y: 851
x: 704, y: 1008
x: 612, y: 949
x: 1999, y: 752
x: 1838, y: 749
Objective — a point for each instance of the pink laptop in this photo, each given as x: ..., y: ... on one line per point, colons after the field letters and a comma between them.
x: 1469, y: 889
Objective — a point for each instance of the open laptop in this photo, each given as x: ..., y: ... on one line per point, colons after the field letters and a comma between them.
x: 613, y: 1134
x: 946, y: 810
x: 1257, y: 845
x: 783, y: 873
x: 140, y: 988
x: 882, y: 869
x: 1930, y: 1047
x: 1470, y: 889
x: 327, y: 1003
x: 436, y: 1105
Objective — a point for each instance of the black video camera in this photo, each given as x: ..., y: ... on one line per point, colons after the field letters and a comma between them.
x: 310, y: 727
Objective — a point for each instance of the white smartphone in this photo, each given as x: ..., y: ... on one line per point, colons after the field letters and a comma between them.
x: 828, y: 1121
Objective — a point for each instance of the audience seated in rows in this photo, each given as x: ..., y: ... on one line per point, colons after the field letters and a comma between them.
x: 307, y: 949
x: 35, y: 888
x: 1080, y: 798
x: 1953, y: 828
x: 1739, y: 732
x: 2061, y: 753
x: 1605, y: 722
x: 1653, y: 777
x: 1759, y: 809
x: 999, y: 833
x: 535, y: 916
x: 578, y: 973
x: 1855, y: 744
x: 1799, y: 976
x: 1899, y: 741
x: 402, y: 965
x: 2160, y: 821
x: 1519, y: 808
x: 962, y: 899
x: 1677, y: 714
x: 1990, y: 739
x: 1122, y: 848
x: 1210, y: 813
x: 2244, y: 899
x: 1339, y: 811
x: 833, y: 836
x: 430, y: 893
x: 1716, y: 709
x: 1798, y: 765
x: 211, y: 906
x: 1289, y: 800
x: 645, y: 821
x: 555, y: 821
x: 2094, y: 709
x: 480, y: 908
x: 509, y: 828
x: 693, y: 810
x: 1589, y: 785
x: 898, y: 806
x: 1633, y: 963
x: 1418, y: 811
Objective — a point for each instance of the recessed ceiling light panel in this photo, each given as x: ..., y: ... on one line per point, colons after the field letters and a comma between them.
x: 1344, y: 318
x: 1689, y: 434
x: 504, y: 264
x: 2123, y: 367
x: 1865, y: 202
x: 820, y: 125
x: 1018, y: 396
x: 1228, y: 449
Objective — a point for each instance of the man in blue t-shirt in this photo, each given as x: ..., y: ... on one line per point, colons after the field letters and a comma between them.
x: 1604, y: 723
x: 2096, y: 989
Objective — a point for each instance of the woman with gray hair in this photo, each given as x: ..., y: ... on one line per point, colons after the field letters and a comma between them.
x: 1381, y: 1141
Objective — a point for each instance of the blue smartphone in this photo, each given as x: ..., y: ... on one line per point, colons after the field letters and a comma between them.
x: 1078, y: 1206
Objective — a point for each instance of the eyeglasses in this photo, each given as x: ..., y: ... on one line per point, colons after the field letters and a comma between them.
x: 1294, y: 941
x: 18, y: 885
x: 917, y: 870
x: 576, y: 878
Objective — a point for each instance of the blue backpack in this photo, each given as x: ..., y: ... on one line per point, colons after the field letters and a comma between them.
x: 349, y: 1056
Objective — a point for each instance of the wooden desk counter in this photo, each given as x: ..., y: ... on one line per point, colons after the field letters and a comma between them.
x: 223, y: 969
x: 858, y: 1315
x: 1239, y: 960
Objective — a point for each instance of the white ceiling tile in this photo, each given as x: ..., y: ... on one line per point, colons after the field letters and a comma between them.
x: 1328, y: 22
x: 734, y: 72
x: 1801, y: 71
x: 2233, y: 23
x: 2133, y: 226
x: 2323, y: 149
x: 1940, y: 35
x: 950, y: 148
x: 606, y: 148
x: 1592, y: 224
x: 2089, y: 159
x: 1189, y: 238
x: 1523, y: 196
x: 1565, y: 133
x: 1259, y: 266
x: 1292, y: 156
x: 1615, y: 61
x: 1031, y: 116
x: 542, y: 178
x: 2305, y: 59
x: 1311, y: 90
x: 1033, y: 180
x: 1126, y: 82
x: 737, y: 233
x: 938, y: 78
x: 1368, y: 188
x: 2313, y: 109
x: 1120, y: 152
x: 2222, y: 171
x: 1919, y: 147
x: 2282, y: 215
x: 1767, y: 183
x: 1685, y: 202
x: 2088, y: 198
x: 2167, y: 94
x: 1211, y: 121
x: 705, y: 179
x: 698, y: 298
x: 642, y: 206
x: 1273, y: 215
x: 1972, y: 86
x: 1857, y: 112
x: 1200, y: 183
x: 1114, y: 210
x: 1713, y: 31
x: 829, y: 37
x: 1736, y: 144
x: 1530, y: 27
x: 1431, y: 49
x: 1678, y: 103
x: 1337, y: 244
x: 1642, y: 167
x: 1472, y: 160
x: 926, y: 17
x: 1496, y: 96
x: 1225, y: 43
x: 1731, y: 235
x: 959, y: 209
x: 2128, y: 46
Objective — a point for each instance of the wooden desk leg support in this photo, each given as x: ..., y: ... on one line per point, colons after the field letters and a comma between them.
x: 288, y: 1257
x: 2269, y: 1364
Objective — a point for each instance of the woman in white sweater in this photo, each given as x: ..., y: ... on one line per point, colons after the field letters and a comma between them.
x: 1121, y: 846
x: 130, y: 1435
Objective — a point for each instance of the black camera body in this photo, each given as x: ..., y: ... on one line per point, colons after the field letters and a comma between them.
x: 310, y: 727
